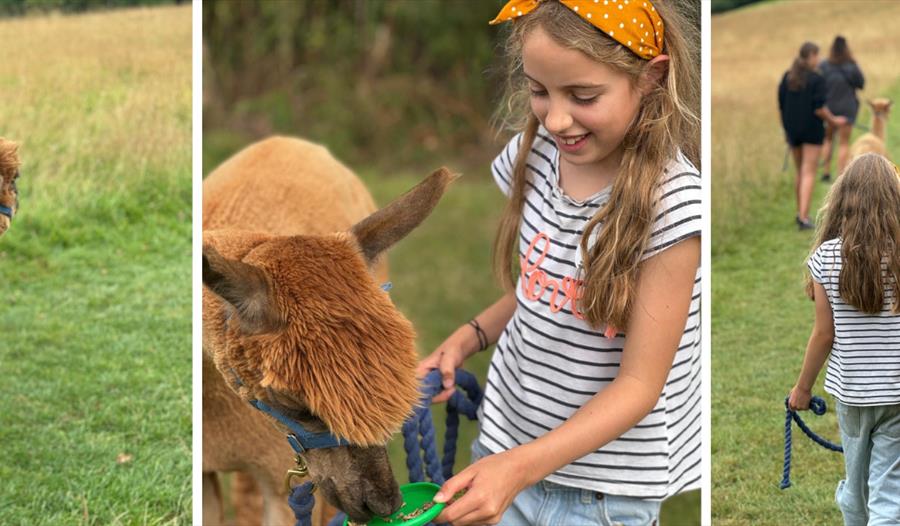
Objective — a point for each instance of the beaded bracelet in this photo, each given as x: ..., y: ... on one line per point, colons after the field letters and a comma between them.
x: 482, y: 337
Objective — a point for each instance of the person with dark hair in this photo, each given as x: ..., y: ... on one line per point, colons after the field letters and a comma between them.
x: 842, y: 78
x: 801, y: 101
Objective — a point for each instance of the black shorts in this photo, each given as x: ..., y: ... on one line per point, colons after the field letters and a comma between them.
x: 816, y: 137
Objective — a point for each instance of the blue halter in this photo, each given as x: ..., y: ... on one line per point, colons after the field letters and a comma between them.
x: 7, y: 211
x: 300, y: 439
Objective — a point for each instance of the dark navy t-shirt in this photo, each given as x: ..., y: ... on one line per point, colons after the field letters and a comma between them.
x: 798, y: 108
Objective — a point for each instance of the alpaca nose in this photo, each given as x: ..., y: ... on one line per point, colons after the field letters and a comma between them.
x: 383, y: 501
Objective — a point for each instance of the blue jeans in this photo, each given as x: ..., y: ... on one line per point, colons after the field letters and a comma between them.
x: 870, y: 493
x: 549, y: 504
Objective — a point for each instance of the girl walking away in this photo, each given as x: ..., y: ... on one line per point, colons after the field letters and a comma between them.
x: 854, y: 274
x: 591, y: 412
x: 801, y: 100
x: 842, y: 78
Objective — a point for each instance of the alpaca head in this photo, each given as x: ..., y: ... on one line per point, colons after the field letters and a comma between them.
x: 9, y: 172
x: 880, y: 106
x: 310, y: 332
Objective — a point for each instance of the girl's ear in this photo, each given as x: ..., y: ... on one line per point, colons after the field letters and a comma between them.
x: 654, y: 72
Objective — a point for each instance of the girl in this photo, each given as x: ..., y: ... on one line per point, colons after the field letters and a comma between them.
x: 801, y: 100
x: 592, y: 404
x: 854, y: 272
x: 842, y: 78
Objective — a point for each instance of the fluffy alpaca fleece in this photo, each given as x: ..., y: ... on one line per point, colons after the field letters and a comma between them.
x: 328, y: 336
x: 874, y: 141
x: 341, y: 346
x: 9, y: 169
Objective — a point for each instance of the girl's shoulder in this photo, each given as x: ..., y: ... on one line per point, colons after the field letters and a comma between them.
x: 681, y: 176
x: 828, y: 251
x: 829, y: 247
x: 542, y: 157
x: 679, y: 209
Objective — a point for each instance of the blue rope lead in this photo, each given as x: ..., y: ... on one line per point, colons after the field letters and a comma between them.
x: 419, y: 435
x: 301, y: 501
x: 817, y: 406
x: 465, y: 401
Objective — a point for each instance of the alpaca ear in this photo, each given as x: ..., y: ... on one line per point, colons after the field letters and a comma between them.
x: 379, y: 231
x: 244, y: 287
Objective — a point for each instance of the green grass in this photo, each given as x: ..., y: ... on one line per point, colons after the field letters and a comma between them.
x: 761, y: 322
x: 95, y: 272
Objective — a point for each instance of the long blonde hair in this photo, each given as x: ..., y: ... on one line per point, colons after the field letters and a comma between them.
x: 863, y: 209
x: 667, y: 121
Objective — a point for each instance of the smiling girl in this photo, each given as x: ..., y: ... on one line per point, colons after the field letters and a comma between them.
x: 592, y: 405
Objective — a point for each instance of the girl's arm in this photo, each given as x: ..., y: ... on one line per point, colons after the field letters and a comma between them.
x: 835, y: 120
x: 817, y: 350
x: 463, y: 343
x: 653, y: 334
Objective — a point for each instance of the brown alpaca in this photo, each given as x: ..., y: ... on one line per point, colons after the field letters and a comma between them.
x: 875, y: 140
x: 9, y: 172
x: 293, y: 315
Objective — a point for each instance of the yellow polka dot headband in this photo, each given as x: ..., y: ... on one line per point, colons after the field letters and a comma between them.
x: 633, y: 23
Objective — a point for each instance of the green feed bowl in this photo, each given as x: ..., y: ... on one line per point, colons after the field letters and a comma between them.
x: 415, y: 496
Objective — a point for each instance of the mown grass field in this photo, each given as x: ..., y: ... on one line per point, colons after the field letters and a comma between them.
x: 95, y: 272
x: 441, y: 278
x: 761, y: 317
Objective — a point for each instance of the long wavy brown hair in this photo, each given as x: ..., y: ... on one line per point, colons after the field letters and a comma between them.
x: 667, y: 121
x: 863, y: 209
x: 796, y: 77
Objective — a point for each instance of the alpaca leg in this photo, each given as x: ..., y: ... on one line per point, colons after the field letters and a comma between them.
x: 246, y: 500
x: 213, y: 512
x: 275, y: 509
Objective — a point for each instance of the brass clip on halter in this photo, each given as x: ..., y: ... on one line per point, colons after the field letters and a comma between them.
x: 300, y: 470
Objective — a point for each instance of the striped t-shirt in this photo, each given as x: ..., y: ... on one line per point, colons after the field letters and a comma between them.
x: 864, y: 366
x: 549, y: 362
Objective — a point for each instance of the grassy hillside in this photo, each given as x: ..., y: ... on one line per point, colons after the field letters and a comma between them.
x: 761, y: 318
x: 95, y: 327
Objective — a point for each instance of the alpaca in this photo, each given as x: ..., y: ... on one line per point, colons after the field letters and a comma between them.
x: 293, y: 315
x: 9, y: 173
x: 875, y: 140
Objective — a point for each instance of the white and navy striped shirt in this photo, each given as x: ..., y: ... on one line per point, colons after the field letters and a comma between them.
x: 864, y: 366
x: 549, y: 362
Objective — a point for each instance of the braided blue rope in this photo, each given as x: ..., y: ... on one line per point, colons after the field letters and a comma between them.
x: 465, y: 401
x: 301, y: 502
x: 818, y: 407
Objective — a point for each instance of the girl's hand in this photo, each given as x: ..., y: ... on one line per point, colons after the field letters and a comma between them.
x: 448, y: 357
x: 799, y: 399
x: 490, y: 486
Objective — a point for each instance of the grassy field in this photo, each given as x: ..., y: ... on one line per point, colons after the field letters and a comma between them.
x: 761, y: 318
x: 95, y: 272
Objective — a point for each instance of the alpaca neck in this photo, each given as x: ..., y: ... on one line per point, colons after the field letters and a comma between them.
x: 878, y: 122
